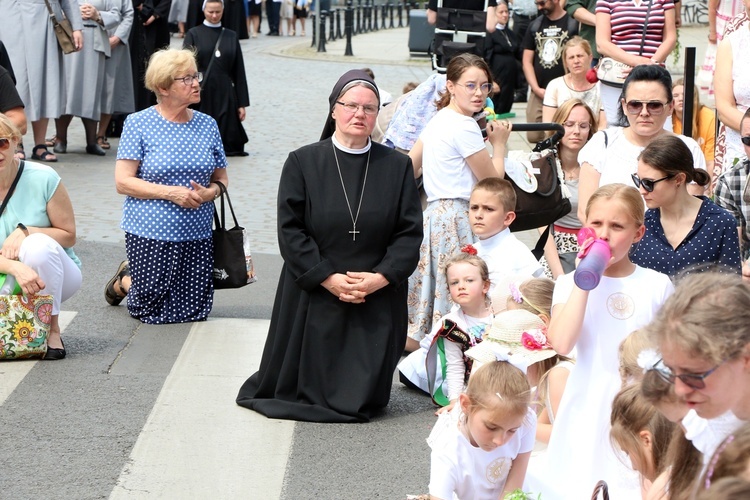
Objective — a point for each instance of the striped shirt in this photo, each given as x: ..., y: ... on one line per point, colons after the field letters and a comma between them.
x: 627, y: 19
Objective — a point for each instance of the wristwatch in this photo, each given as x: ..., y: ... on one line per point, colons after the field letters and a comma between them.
x: 23, y: 228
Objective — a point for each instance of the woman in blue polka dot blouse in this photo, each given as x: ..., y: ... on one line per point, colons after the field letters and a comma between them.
x: 168, y: 160
x: 683, y: 232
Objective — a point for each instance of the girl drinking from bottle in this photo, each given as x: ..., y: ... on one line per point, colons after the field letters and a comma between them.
x: 595, y: 322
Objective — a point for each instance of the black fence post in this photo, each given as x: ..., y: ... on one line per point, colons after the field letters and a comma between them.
x: 338, y: 23
x: 384, y: 16
x: 367, y: 21
x: 315, y: 29
x: 358, y: 27
x: 375, y: 16
x: 348, y: 27
x: 400, y: 15
x: 407, y: 6
x: 390, y: 7
x: 331, y: 31
x: 322, y: 30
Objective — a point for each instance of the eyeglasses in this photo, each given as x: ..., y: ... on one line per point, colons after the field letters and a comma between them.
x: 653, y: 107
x: 188, y: 80
x: 648, y: 184
x: 692, y: 380
x: 583, y: 126
x: 746, y: 140
x: 352, y: 108
x: 472, y: 87
x: 4, y: 144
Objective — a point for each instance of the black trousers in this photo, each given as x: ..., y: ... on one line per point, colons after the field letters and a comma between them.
x: 273, y: 10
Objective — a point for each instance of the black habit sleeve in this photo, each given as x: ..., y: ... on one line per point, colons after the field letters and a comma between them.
x: 298, y: 248
x: 239, y: 78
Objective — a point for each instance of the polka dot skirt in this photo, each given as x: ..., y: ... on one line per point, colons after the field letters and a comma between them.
x: 172, y: 282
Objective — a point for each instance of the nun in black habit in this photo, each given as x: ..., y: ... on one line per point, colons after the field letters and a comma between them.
x: 350, y: 227
x: 224, y: 94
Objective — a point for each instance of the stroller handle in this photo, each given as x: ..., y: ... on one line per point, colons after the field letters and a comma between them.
x: 547, y: 143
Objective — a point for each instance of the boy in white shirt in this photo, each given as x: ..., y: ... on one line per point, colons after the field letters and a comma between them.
x: 491, y: 213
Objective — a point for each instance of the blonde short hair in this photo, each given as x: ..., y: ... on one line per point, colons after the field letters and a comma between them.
x: 164, y: 65
x: 8, y: 129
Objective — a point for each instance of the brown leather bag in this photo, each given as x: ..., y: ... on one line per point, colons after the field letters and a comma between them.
x: 63, y: 31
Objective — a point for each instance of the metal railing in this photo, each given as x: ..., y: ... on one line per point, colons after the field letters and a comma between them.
x: 360, y: 16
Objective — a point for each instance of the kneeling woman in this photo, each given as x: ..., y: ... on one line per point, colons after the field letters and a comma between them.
x: 339, y: 319
x: 38, y: 229
x: 168, y: 162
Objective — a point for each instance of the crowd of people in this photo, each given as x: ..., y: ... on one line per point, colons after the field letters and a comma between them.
x: 540, y: 383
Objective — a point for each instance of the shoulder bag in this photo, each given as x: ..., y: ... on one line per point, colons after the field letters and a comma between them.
x: 24, y: 320
x: 63, y: 31
x: 611, y: 71
x: 232, y: 267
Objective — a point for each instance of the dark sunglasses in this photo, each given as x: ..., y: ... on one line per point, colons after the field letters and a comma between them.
x: 746, y: 140
x: 4, y: 144
x: 648, y: 184
x: 692, y: 380
x: 653, y: 107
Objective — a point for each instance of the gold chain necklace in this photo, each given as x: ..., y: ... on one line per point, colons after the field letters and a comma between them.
x: 354, y: 231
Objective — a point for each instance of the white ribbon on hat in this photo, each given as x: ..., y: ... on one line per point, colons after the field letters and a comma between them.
x: 647, y: 359
x: 502, y: 354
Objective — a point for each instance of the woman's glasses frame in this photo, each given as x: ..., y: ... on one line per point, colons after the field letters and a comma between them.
x: 352, y: 107
x: 583, y: 126
x: 693, y: 380
x: 652, y: 107
x: 4, y: 143
x: 188, y: 80
x: 746, y: 140
x: 648, y: 184
x: 472, y: 87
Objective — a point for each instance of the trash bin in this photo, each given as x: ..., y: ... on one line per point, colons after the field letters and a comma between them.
x: 420, y: 32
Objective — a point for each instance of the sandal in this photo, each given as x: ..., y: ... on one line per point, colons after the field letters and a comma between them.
x: 102, y: 142
x: 40, y: 153
x: 110, y: 295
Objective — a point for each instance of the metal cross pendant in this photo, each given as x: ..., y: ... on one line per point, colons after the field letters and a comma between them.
x: 354, y: 232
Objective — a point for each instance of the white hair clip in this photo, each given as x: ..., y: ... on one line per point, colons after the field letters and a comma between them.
x: 502, y: 354
x: 648, y: 359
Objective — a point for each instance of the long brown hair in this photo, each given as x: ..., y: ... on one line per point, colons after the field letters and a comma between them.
x: 456, y: 68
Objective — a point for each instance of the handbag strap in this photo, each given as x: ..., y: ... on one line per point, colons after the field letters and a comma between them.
x: 221, y: 223
x: 645, y: 27
x: 12, y: 188
x: 211, y: 62
x: 51, y: 12
x: 538, y: 250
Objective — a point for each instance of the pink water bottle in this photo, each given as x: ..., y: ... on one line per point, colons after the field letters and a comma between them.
x: 590, y: 269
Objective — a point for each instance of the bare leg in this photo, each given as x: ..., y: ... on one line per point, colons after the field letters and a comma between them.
x: 61, y: 130
x: 40, y: 130
x: 302, y: 25
x: 411, y: 345
x: 104, y: 120
x: 53, y: 340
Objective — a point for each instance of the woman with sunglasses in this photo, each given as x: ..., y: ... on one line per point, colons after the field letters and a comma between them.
x: 38, y: 231
x: 169, y: 162
x: 612, y: 154
x: 683, y: 232
x: 452, y: 156
x: 703, y: 337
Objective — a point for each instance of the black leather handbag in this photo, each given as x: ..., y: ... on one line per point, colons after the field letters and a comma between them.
x: 230, y: 269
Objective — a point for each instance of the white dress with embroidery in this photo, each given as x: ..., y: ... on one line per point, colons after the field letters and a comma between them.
x: 459, y: 470
x: 580, y: 452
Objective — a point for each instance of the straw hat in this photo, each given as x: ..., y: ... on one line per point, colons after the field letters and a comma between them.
x: 519, y: 333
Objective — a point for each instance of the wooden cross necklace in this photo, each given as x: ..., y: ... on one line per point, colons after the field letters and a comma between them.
x: 354, y: 231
